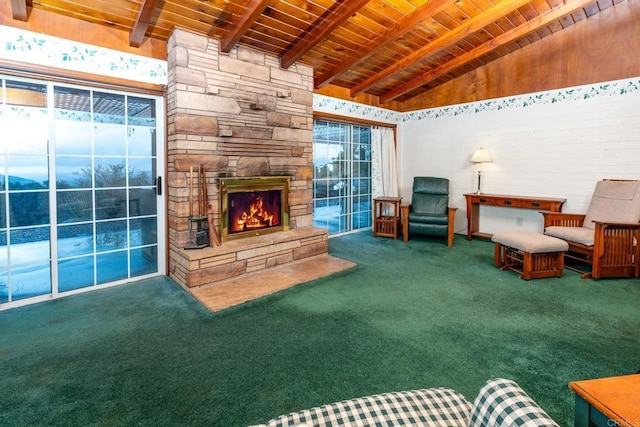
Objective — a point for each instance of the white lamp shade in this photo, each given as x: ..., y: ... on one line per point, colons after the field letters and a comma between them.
x: 481, y: 156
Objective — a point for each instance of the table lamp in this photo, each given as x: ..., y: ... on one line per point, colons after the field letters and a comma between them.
x: 480, y: 156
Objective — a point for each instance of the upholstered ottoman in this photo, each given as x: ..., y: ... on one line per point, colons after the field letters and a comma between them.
x: 533, y: 255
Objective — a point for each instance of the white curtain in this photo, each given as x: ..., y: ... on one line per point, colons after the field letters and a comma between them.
x: 383, y: 163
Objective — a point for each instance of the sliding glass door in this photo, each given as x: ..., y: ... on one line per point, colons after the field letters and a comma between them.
x: 342, y: 176
x: 79, y: 205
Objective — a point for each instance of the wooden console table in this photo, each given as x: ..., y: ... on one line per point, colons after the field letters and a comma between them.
x: 522, y: 202
x: 607, y: 402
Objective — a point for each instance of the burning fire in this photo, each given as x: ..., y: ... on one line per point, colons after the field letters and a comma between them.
x: 256, y: 217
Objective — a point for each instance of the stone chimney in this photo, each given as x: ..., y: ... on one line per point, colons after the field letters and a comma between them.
x: 239, y: 115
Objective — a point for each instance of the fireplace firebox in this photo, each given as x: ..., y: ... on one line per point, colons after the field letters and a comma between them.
x: 253, y: 206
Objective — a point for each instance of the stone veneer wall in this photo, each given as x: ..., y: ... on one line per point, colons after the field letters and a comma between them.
x: 238, y: 114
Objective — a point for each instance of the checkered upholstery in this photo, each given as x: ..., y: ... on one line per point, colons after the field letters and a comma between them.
x: 502, y: 403
x: 427, y: 407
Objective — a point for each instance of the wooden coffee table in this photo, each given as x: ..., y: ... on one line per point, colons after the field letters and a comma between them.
x: 607, y: 402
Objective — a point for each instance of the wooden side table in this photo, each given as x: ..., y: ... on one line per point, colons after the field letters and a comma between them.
x: 386, y: 225
x: 607, y: 402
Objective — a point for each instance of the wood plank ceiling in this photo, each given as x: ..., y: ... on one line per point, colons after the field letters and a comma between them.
x: 393, y: 49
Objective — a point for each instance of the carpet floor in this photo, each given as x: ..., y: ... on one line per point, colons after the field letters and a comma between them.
x: 407, y: 316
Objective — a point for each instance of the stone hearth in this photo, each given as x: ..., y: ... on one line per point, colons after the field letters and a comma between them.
x: 236, y: 258
x: 234, y: 291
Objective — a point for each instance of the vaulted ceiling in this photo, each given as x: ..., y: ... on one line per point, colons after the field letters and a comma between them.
x: 393, y: 49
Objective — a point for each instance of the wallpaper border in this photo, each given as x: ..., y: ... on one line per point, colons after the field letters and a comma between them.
x: 34, y: 48
x: 577, y: 93
x: 331, y: 105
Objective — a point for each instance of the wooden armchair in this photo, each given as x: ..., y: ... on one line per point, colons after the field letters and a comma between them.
x: 429, y: 213
x: 607, y: 237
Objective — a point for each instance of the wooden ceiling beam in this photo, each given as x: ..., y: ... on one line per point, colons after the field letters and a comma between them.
x: 474, y: 24
x: 522, y: 30
x: 142, y: 22
x: 20, y: 9
x: 403, y: 26
x: 231, y: 37
x: 319, y: 30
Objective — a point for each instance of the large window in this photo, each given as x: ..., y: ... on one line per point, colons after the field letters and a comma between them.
x: 78, y: 203
x: 342, y: 176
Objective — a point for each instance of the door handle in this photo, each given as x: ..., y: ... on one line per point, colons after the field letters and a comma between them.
x: 158, y: 184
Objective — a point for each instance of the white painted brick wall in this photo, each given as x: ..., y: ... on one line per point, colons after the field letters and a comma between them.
x: 547, y: 150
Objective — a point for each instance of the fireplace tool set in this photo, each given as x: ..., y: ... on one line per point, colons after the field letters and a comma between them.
x: 202, y: 232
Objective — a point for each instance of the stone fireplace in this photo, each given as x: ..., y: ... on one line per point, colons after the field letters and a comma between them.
x: 246, y: 121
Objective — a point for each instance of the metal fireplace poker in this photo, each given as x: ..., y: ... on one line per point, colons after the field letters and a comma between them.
x: 202, y: 232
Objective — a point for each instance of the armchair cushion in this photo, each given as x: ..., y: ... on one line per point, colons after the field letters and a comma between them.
x: 614, y: 201
x: 580, y: 235
x: 431, y: 185
x: 428, y: 218
x: 429, y: 203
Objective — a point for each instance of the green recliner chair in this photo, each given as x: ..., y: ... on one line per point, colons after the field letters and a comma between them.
x: 429, y: 213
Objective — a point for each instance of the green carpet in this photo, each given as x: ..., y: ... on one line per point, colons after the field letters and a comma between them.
x: 407, y: 316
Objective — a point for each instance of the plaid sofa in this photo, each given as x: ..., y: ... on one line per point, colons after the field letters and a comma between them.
x: 500, y: 402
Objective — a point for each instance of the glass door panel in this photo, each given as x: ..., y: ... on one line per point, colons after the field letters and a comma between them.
x: 75, y: 273
x: 74, y: 152
x: 361, y: 173
x: 143, y: 190
x: 25, y: 257
x: 30, y: 268
x: 342, y: 176
x: 119, y: 168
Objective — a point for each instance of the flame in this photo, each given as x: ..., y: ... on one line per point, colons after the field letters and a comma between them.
x: 256, y: 217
